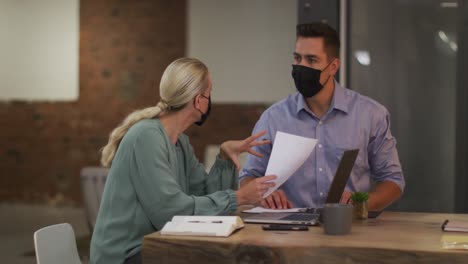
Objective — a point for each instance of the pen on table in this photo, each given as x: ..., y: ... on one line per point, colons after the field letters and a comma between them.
x: 444, y: 224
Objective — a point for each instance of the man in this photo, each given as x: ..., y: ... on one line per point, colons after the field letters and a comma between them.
x: 339, y: 119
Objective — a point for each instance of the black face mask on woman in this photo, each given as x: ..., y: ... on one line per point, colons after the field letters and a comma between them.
x: 204, y: 115
x: 307, y: 80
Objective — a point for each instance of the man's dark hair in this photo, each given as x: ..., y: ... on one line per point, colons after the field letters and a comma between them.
x: 331, y: 41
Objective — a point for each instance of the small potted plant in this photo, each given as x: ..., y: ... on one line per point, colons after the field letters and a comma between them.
x: 360, y: 204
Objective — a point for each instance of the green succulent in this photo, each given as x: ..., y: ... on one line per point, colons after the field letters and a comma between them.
x: 359, y: 197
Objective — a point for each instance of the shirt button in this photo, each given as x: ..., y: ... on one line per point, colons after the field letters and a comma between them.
x: 320, y: 145
x: 320, y: 169
x: 321, y: 194
x: 320, y: 123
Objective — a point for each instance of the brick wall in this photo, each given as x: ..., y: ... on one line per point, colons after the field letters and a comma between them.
x: 124, y: 48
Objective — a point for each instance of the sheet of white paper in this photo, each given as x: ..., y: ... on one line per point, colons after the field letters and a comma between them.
x: 258, y: 210
x: 288, y: 154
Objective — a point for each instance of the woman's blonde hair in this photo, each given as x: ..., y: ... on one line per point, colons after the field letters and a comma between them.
x: 182, y: 80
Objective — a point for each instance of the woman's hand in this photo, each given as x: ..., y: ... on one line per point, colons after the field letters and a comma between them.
x: 231, y: 149
x: 252, y: 192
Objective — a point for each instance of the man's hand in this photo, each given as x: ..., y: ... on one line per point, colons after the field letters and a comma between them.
x: 383, y: 194
x: 252, y: 192
x: 231, y: 149
x: 346, y: 197
x: 277, y: 200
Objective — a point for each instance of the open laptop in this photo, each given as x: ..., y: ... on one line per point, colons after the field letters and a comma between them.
x: 311, y: 215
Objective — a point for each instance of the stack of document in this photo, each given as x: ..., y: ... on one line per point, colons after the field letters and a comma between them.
x: 454, y: 242
x: 221, y: 226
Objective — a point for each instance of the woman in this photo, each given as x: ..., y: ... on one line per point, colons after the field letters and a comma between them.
x: 154, y: 173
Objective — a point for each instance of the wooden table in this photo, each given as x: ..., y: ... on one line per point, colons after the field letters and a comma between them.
x: 394, y: 237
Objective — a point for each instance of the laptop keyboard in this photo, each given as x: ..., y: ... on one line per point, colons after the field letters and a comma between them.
x: 299, y: 217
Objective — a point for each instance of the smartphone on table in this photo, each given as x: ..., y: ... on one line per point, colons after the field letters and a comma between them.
x: 277, y: 227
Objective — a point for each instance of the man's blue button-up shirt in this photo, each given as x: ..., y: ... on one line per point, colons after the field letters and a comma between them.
x: 352, y: 121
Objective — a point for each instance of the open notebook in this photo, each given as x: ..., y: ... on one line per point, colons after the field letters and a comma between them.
x: 202, y: 225
x: 455, y: 226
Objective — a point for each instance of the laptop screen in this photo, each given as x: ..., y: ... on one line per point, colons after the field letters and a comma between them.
x: 342, y: 176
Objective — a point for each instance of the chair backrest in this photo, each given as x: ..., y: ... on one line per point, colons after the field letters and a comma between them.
x: 93, y: 180
x: 56, y: 244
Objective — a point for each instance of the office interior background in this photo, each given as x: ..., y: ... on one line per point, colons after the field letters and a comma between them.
x: 71, y: 70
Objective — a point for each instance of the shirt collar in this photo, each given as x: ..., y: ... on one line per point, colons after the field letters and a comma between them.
x: 338, y: 101
x: 339, y: 98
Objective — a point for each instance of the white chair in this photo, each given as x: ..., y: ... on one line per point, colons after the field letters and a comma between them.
x: 56, y: 244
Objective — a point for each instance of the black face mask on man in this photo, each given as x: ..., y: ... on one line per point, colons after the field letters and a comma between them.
x: 307, y: 80
x: 204, y: 115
